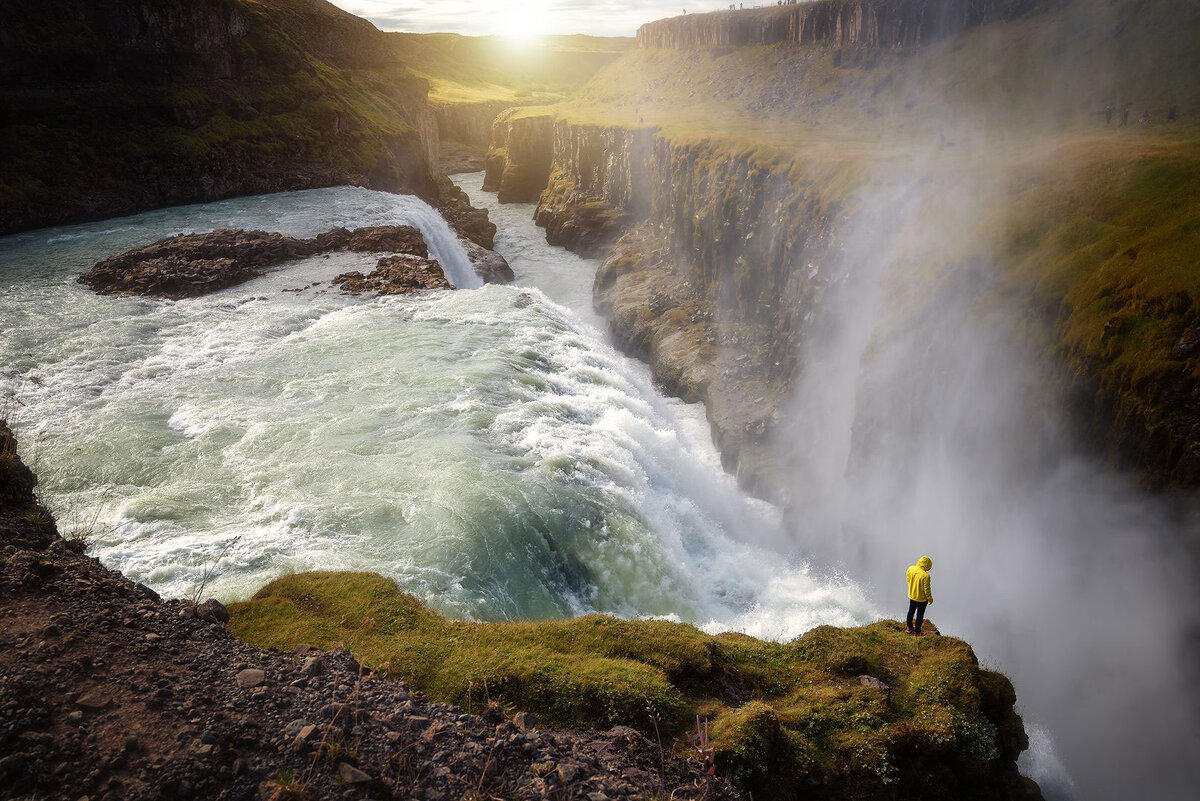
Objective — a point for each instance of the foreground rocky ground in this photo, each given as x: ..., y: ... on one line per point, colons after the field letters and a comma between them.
x: 109, y: 692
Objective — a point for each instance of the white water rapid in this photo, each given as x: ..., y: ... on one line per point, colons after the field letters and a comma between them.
x: 486, y: 448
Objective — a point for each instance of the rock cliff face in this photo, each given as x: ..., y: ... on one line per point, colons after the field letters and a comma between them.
x: 597, y: 186
x: 469, y: 124
x: 830, y: 23
x: 116, y: 106
x: 518, y: 159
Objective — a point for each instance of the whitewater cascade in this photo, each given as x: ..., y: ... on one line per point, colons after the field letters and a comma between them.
x: 486, y: 448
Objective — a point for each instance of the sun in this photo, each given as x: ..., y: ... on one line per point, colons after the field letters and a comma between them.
x: 524, y: 25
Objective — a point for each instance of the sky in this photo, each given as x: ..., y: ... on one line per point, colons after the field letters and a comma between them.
x: 520, y: 17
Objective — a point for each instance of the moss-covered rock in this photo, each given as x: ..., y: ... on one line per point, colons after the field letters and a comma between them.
x: 788, y: 719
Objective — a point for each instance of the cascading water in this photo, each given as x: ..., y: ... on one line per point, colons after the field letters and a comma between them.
x: 484, y: 447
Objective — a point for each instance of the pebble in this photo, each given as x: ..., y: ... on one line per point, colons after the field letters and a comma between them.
x: 352, y: 775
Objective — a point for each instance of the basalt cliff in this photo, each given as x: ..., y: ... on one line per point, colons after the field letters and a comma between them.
x: 831, y: 23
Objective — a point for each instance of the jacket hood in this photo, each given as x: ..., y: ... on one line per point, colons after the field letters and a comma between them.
x: 924, y: 563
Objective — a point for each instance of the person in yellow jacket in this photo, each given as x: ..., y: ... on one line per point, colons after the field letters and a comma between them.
x: 920, y: 593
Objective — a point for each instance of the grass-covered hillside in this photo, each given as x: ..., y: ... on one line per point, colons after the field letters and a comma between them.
x: 785, y: 718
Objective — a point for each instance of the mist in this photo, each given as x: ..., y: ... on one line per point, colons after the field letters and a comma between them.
x: 924, y: 423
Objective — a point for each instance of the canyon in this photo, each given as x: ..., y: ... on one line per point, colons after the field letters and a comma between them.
x: 872, y: 238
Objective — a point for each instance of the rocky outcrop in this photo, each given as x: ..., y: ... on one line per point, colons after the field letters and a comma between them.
x: 395, y: 275
x: 518, y: 160
x: 830, y: 23
x: 115, y: 693
x: 189, y: 265
x: 490, y: 266
x: 882, y: 732
x: 598, y: 186
x: 469, y: 222
x: 118, y: 106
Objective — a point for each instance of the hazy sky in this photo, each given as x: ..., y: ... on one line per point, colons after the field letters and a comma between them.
x: 601, y: 17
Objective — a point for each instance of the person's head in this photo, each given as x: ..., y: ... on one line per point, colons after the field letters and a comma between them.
x: 925, y: 563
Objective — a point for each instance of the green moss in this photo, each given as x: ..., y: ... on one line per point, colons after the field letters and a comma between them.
x: 782, y: 713
x: 1112, y: 250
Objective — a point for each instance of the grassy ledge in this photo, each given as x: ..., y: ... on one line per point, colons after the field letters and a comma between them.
x: 784, y: 715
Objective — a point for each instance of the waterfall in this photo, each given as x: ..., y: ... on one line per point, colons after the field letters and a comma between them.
x: 444, y: 244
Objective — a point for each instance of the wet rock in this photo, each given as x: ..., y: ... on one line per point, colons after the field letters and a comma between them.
x: 490, y: 266
x: 395, y: 275
x: 190, y: 265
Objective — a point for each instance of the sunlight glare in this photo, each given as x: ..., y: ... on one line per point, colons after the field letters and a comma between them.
x: 524, y: 25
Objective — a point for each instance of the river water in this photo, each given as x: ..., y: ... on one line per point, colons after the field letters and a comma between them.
x: 485, y: 447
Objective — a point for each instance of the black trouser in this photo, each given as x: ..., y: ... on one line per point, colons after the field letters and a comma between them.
x: 919, y: 608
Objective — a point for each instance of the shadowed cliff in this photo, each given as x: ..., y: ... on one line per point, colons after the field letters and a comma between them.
x: 117, y: 106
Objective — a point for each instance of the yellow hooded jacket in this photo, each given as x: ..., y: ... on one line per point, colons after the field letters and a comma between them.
x: 919, y: 588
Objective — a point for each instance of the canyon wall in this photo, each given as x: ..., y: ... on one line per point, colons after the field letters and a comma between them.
x: 469, y: 124
x: 118, y: 106
x: 709, y: 270
x: 718, y: 263
x: 830, y: 23
x: 518, y: 160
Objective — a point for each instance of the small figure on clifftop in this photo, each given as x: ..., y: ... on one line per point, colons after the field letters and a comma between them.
x: 1108, y: 112
x: 1124, y: 118
x: 920, y: 593
x: 1171, y: 114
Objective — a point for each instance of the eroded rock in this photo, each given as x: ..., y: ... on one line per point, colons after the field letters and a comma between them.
x: 191, y: 265
x: 396, y: 275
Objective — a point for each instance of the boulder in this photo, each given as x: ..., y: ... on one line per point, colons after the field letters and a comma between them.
x: 250, y: 677
x: 213, y: 611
